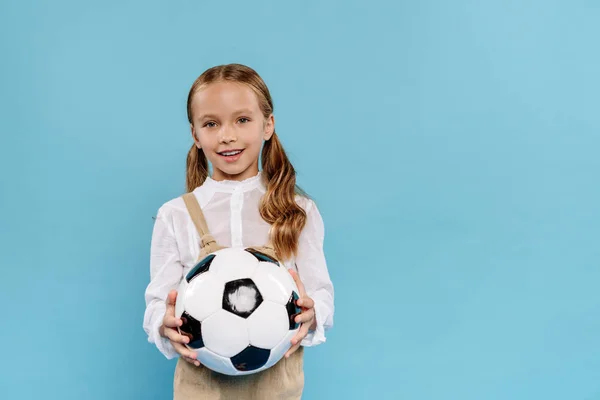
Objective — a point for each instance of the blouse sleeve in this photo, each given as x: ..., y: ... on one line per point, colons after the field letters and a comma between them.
x: 312, y: 270
x: 166, y: 271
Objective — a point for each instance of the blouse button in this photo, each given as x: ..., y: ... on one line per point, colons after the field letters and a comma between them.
x: 236, y: 199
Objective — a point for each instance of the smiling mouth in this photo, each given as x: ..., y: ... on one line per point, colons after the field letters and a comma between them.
x: 230, y: 153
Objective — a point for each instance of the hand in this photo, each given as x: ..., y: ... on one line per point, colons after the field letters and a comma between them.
x: 169, y: 327
x: 306, y: 317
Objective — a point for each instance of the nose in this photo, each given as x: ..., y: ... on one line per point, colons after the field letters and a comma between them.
x: 227, y: 135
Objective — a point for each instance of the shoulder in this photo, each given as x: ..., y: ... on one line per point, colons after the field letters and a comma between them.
x: 176, y: 206
x: 306, y: 203
x: 314, y: 229
x: 172, y: 206
x: 313, y: 215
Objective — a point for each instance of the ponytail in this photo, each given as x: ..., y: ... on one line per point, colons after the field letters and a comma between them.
x: 278, y: 206
x: 196, y: 169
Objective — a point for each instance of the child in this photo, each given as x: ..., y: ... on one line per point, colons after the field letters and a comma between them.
x: 231, y: 118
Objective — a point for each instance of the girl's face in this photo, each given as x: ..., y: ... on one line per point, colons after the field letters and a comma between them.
x: 230, y: 128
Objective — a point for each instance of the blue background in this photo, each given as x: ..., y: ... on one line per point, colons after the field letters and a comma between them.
x: 452, y: 147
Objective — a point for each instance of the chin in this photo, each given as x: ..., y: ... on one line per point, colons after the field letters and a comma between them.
x: 233, y: 171
x: 229, y: 170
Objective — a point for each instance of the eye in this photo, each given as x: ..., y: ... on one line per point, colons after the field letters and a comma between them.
x: 210, y: 124
x: 243, y: 120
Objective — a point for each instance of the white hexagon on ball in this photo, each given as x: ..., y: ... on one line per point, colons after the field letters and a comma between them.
x: 268, y: 325
x: 203, y: 296
x: 225, y: 334
x: 282, y: 347
x: 274, y: 282
x: 231, y: 264
x: 216, y: 362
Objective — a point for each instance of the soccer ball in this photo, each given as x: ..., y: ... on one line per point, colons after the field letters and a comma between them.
x: 238, y: 308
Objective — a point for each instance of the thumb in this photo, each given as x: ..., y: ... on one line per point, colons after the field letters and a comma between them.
x: 172, y: 298
x: 298, y: 281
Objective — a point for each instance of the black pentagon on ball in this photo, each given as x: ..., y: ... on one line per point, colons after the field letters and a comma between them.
x: 200, y: 268
x: 241, y: 297
x: 260, y: 256
x: 192, y: 328
x: 293, y: 310
x: 250, y: 358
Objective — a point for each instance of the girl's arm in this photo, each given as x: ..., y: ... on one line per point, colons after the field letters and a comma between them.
x: 312, y: 270
x: 166, y: 272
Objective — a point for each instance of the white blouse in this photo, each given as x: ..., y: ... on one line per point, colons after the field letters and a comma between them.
x: 231, y: 210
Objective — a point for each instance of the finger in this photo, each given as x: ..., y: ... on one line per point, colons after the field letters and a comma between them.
x: 192, y: 361
x: 302, y: 332
x: 174, y: 336
x: 298, y: 282
x: 172, y: 298
x: 292, y: 350
x: 305, y: 316
x: 184, y: 351
x: 170, y: 301
x: 306, y: 302
x: 171, y: 321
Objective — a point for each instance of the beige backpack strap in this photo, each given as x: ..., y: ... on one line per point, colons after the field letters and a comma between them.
x: 207, y: 241
x: 270, y: 249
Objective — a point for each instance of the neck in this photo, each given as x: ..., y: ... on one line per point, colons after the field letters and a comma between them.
x: 220, y: 176
x: 250, y: 172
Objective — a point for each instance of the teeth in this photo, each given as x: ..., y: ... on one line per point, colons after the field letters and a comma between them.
x: 231, y: 153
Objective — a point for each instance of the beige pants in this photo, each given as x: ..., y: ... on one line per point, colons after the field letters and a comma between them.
x: 284, y: 380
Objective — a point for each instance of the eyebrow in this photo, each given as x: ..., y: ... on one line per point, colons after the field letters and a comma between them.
x: 238, y: 112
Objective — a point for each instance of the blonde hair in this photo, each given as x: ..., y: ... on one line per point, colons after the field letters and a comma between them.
x: 278, y: 206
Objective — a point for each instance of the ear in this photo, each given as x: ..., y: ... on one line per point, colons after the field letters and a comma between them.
x: 194, y: 136
x: 269, y: 127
